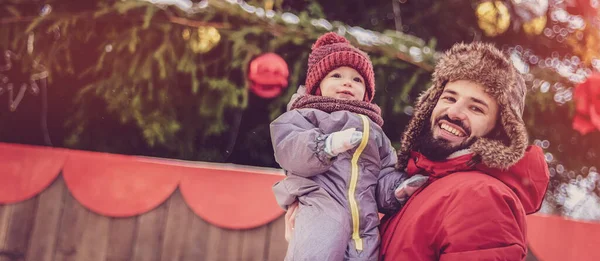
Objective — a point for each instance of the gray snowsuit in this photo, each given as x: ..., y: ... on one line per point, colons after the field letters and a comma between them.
x: 340, y: 198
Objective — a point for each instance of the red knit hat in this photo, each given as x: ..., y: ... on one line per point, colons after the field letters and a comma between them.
x: 331, y: 51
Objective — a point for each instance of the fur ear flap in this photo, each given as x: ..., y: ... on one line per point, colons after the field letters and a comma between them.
x: 422, y: 111
x: 494, y: 153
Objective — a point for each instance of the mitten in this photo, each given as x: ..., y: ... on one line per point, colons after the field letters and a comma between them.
x: 341, y: 141
x: 409, y: 186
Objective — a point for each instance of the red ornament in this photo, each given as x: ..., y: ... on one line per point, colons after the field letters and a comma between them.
x: 587, y: 8
x: 587, y: 105
x: 268, y: 75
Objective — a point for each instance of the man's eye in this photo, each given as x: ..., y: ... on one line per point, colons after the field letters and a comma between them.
x: 476, y: 109
x: 357, y: 79
x: 448, y: 98
x: 336, y: 75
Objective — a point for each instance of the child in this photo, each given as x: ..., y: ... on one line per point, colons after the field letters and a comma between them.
x: 339, y: 163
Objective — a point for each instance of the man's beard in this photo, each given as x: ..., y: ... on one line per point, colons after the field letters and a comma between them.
x: 439, y: 149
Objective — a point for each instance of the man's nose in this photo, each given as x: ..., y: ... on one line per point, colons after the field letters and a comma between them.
x: 347, y: 83
x: 456, y: 112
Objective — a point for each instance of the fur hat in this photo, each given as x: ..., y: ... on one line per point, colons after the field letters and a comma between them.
x: 331, y: 51
x: 488, y: 66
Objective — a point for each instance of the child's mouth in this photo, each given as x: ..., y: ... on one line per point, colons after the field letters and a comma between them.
x: 346, y: 94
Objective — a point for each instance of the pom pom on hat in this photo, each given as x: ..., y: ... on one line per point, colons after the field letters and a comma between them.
x: 329, y: 38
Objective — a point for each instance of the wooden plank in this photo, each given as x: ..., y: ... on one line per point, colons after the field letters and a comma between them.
x: 254, y: 242
x: 178, y: 220
x: 149, y: 237
x: 5, y: 213
x: 121, y: 238
x: 70, y: 231
x: 94, y: 239
x: 223, y: 244
x: 196, y: 240
x: 49, y: 210
x: 18, y: 233
x: 276, y: 244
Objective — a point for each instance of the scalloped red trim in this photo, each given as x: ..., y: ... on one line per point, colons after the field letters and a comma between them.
x: 27, y: 171
x: 554, y: 238
x: 116, y: 185
x: 238, y: 198
x: 225, y: 195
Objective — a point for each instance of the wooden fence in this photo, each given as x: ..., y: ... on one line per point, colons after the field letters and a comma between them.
x: 54, y: 226
x: 64, y: 205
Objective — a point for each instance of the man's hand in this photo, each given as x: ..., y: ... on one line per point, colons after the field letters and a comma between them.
x: 409, y: 186
x: 341, y: 141
x: 290, y: 220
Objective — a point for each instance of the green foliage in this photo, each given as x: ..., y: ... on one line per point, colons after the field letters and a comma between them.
x: 136, y: 82
x: 136, y: 61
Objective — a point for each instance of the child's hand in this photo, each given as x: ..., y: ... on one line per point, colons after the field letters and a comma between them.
x: 409, y: 186
x: 341, y: 141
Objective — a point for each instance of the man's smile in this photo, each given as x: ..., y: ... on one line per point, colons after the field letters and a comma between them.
x: 450, y: 132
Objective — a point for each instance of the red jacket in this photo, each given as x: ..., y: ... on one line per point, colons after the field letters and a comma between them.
x: 466, y: 213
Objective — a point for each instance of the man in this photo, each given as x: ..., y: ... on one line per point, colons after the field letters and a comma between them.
x: 468, y: 136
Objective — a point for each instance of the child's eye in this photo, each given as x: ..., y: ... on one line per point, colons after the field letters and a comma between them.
x: 336, y: 75
x: 357, y: 79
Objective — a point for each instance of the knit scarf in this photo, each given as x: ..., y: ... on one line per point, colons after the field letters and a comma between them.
x: 329, y: 105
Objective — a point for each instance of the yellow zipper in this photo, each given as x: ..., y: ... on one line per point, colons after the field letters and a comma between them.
x: 353, y: 180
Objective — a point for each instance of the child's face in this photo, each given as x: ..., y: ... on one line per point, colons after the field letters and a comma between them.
x: 343, y: 83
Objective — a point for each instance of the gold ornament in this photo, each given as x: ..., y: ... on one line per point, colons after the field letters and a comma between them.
x: 493, y: 17
x: 269, y: 5
x: 186, y: 34
x: 207, y: 37
x: 586, y: 47
x: 535, y: 26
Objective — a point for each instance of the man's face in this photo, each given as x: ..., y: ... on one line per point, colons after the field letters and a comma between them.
x: 463, y: 112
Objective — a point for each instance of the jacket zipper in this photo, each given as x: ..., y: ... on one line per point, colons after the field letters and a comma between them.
x: 353, y: 181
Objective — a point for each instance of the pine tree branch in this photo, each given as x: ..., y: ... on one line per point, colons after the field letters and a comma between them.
x: 273, y: 28
x: 13, y: 20
x: 405, y: 58
x: 195, y: 23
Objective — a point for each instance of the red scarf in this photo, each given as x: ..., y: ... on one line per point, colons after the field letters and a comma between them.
x: 329, y: 105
